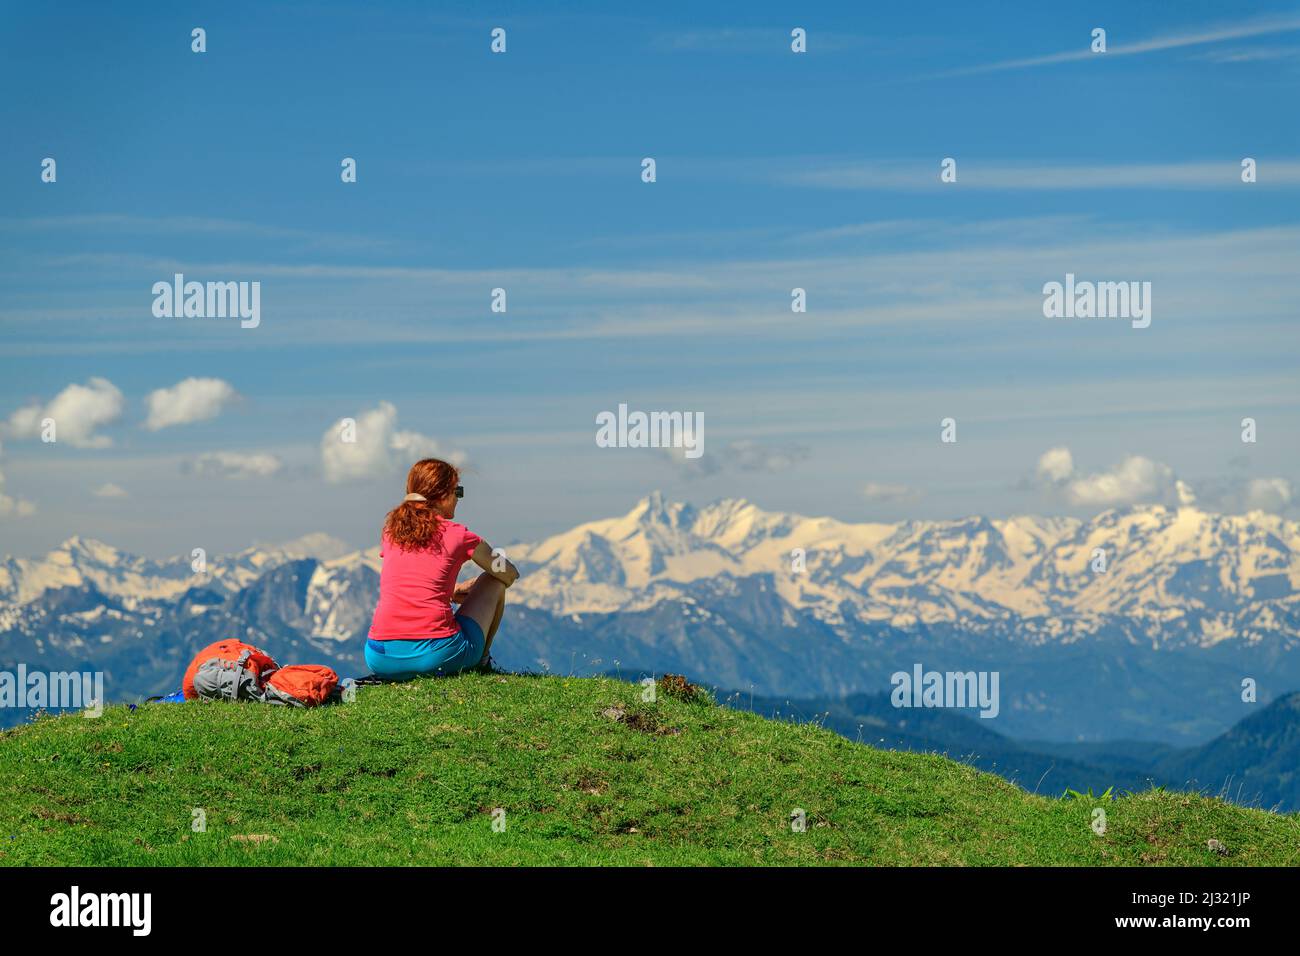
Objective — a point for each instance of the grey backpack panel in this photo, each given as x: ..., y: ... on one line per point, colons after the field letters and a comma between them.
x: 227, y: 680
x: 273, y: 695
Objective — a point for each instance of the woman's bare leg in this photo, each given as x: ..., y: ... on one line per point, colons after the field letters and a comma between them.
x: 484, y: 603
x: 496, y: 623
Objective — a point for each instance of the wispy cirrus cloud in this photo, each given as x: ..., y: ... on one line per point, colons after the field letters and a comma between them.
x: 1263, y: 54
x: 989, y: 275
x: 1266, y: 26
x: 999, y: 174
x: 885, y: 493
x: 742, y: 455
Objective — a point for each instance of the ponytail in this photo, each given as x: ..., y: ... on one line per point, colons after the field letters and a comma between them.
x: 413, y: 525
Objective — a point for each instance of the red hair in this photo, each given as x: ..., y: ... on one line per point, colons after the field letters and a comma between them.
x: 413, y: 525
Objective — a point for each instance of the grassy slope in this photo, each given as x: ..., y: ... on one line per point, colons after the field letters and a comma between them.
x: 409, y: 774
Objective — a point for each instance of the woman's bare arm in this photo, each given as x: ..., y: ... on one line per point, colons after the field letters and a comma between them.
x: 483, y: 557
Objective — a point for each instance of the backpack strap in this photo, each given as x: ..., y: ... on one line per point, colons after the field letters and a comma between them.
x: 239, y: 666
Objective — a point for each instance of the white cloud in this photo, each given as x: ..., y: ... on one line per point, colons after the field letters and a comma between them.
x: 1056, y: 465
x: 1134, y: 479
x: 1237, y: 495
x: 1268, y: 494
x: 190, y: 400
x: 77, y: 412
x: 414, y: 446
x: 110, y: 490
x: 706, y: 464
x: 378, y: 449
x: 879, y: 491
x: 231, y: 464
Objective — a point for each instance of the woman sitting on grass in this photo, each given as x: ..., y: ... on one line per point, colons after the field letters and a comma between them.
x: 414, y: 630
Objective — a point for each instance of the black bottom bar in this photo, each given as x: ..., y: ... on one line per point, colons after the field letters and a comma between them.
x: 185, y: 905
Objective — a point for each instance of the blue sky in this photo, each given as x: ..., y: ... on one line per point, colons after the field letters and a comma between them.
x: 522, y: 170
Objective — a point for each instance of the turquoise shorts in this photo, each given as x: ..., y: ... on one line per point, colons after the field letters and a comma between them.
x: 399, y: 660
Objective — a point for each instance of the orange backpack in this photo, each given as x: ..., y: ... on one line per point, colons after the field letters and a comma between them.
x: 301, y: 685
x: 233, y: 670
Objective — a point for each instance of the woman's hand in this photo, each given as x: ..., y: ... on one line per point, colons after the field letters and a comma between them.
x: 461, y: 592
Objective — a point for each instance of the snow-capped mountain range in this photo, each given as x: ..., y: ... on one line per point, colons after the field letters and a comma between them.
x: 1228, y: 574
x: 1180, y: 571
x: 738, y: 596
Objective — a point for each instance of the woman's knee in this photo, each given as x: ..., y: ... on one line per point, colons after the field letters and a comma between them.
x: 491, y: 585
x: 483, y: 598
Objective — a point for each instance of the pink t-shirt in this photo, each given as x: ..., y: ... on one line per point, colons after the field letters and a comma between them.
x: 415, y: 586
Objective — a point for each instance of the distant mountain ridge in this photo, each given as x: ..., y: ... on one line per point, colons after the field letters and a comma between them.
x: 1154, y: 647
x: 1256, y: 762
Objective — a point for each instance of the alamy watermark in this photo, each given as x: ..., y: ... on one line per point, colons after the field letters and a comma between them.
x: 626, y: 429
x: 75, y: 908
x: 1098, y: 300
x: 922, y: 688
x: 53, y: 690
x: 208, y: 300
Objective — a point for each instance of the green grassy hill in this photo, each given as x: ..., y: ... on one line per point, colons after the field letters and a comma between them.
x: 586, y: 773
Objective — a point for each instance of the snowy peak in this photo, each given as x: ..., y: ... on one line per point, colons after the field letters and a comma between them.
x: 656, y: 519
x: 85, y: 562
x: 655, y: 510
x: 625, y: 554
x: 78, y: 548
